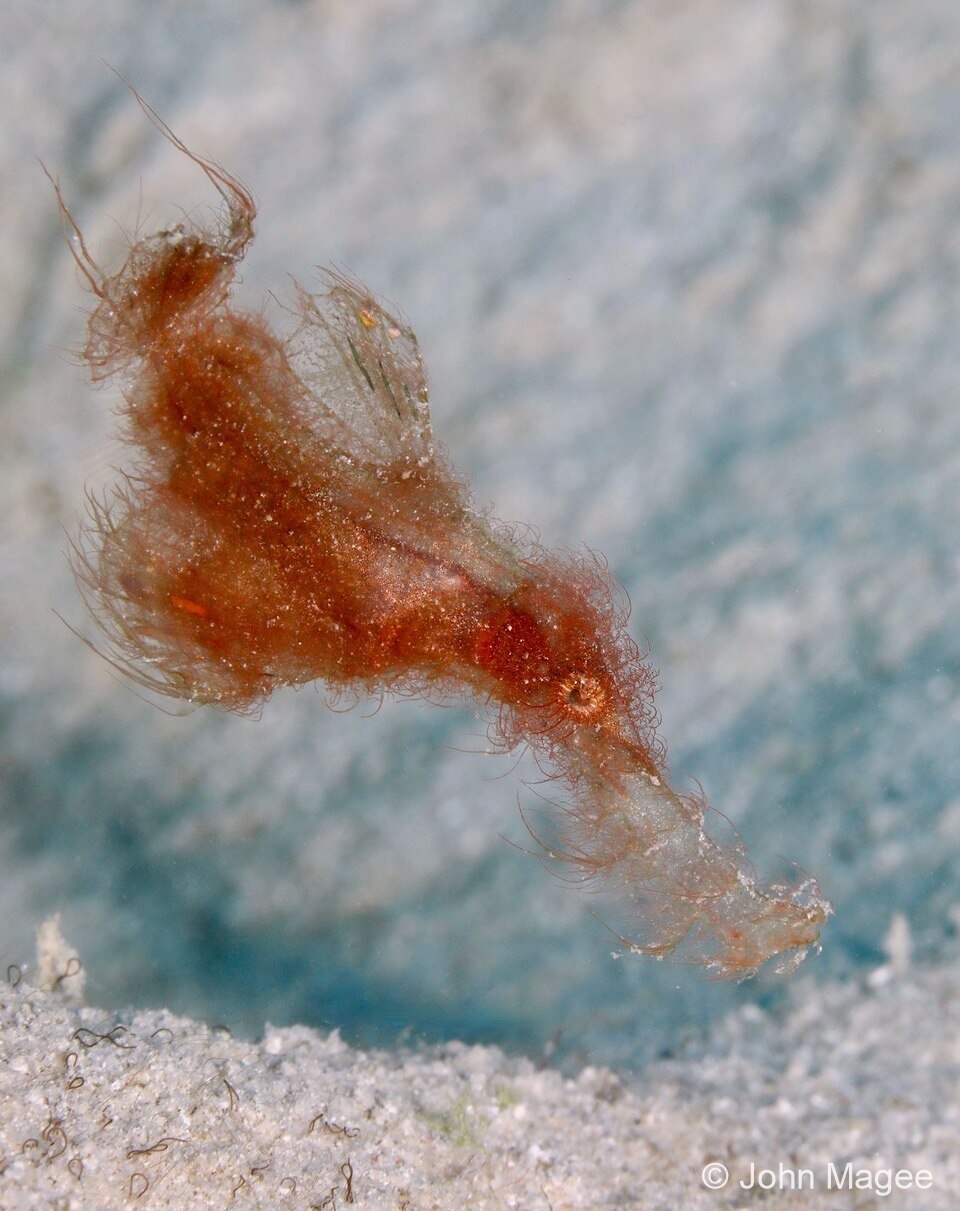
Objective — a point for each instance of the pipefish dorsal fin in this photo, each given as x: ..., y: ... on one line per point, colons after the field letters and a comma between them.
x: 363, y: 368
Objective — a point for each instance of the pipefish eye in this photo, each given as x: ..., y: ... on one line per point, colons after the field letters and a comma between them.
x: 582, y: 696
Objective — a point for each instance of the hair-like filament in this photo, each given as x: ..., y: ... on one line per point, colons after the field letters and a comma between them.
x: 291, y: 519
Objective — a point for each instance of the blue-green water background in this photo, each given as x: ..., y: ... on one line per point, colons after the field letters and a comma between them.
x: 686, y: 280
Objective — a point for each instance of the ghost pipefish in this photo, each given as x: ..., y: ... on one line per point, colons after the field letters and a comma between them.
x: 291, y: 520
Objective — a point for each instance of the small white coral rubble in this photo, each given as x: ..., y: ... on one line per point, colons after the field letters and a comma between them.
x: 58, y: 963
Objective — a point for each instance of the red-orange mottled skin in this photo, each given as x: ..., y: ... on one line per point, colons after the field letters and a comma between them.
x: 291, y: 520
